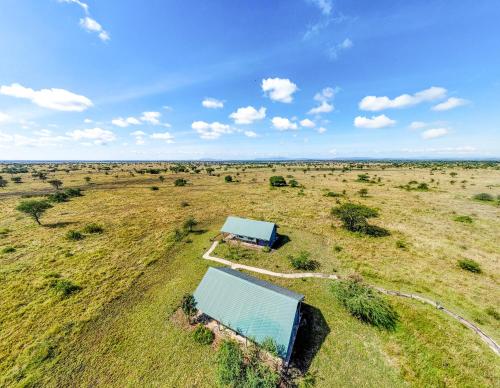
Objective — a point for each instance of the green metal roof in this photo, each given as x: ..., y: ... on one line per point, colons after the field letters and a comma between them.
x: 252, y: 307
x: 261, y: 230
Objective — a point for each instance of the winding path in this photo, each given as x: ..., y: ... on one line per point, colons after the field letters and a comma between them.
x: 487, y: 339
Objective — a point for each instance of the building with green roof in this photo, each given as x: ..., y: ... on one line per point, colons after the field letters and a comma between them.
x: 251, y: 307
x: 257, y: 232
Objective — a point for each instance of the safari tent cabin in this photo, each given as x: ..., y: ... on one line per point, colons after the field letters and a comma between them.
x: 253, y: 308
x: 251, y: 231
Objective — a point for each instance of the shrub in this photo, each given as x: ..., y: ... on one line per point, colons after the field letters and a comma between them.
x: 178, y: 235
x: 16, y: 179
x: 71, y: 192
x: 333, y: 194
x: 8, y: 250
x: 303, y: 262
x: 363, y: 303
x: 93, y: 228
x: 493, y: 313
x: 56, y: 183
x: 33, y: 208
x: 57, y: 197
x: 189, y: 224
x: 363, y: 178
x: 228, y: 178
x: 277, y: 181
x: 483, y: 197
x: 363, y: 192
x: 270, y: 346
x: 4, y: 231
x: 154, y: 188
x: 423, y: 187
x: 3, y: 182
x: 229, y: 364
x: 203, y: 335
x: 74, y: 235
x: 260, y: 375
x: 464, y: 219
x: 180, y: 182
x: 400, y: 244
x: 188, y: 305
x: 354, y: 216
x: 184, y: 203
x: 469, y: 265
x: 293, y: 183
x: 64, y: 287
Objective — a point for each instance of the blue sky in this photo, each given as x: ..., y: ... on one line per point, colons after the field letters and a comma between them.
x: 129, y: 79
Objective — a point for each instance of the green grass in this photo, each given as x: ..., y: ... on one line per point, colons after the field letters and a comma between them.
x: 120, y: 329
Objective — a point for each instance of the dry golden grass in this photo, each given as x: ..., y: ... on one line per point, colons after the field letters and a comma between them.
x: 116, y: 329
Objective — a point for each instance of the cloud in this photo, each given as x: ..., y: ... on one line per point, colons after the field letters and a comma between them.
x: 250, y: 134
x: 283, y: 124
x: 211, y: 131
x: 247, y: 115
x: 324, y: 107
x: 122, y: 123
x: 167, y: 136
x: 55, y: 99
x: 417, y: 125
x: 444, y: 150
x: 138, y: 133
x: 88, y: 121
x: 97, y: 135
x: 279, y: 89
x: 434, y: 133
x: 334, y: 51
x: 139, y: 137
x: 212, y: 103
x: 4, y: 118
x: 325, y: 6
x: 91, y: 25
x: 151, y: 117
x: 373, y: 103
x: 322, y: 130
x: 87, y: 23
x: 450, y: 103
x: 43, y: 138
x: 306, y: 123
x: 373, y: 122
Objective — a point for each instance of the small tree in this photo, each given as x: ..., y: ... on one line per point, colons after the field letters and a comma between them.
x: 228, y: 178
x: 34, y: 208
x: 293, y: 183
x: 189, y: 224
x: 56, y: 183
x: 188, y: 306
x: 16, y: 179
x: 180, y: 182
x: 363, y: 192
x: 209, y: 170
x: 3, y: 182
x: 277, y: 181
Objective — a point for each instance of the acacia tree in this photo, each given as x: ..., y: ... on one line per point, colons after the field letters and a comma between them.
x: 189, y: 224
x: 34, y: 208
x: 56, y: 183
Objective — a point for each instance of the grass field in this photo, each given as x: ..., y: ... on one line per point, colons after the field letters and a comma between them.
x: 117, y: 328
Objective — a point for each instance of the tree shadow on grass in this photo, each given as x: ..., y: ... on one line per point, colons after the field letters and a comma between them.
x: 60, y: 224
x: 199, y: 231
x: 282, y: 240
x: 312, y: 333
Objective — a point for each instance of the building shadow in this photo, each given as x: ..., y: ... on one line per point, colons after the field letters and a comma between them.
x: 312, y: 333
x: 282, y: 240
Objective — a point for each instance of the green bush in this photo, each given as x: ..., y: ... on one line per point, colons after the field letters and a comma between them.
x: 363, y: 178
x: 354, y: 218
x: 333, y: 194
x: 293, y: 183
x: 230, y: 364
x: 93, y: 228
x: 483, y: 197
x: 469, y: 265
x: 64, y: 287
x: 180, y: 182
x: 493, y: 313
x: 277, y: 181
x: 73, y: 192
x: 464, y: 219
x: 423, y: 187
x: 303, y: 262
x: 8, y: 250
x: 260, y: 376
x: 74, y: 235
x: 363, y: 303
x: 228, y: 178
x: 188, y: 305
x: 400, y: 244
x: 154, y: 188
x: 203, y: 335
x: 58, y: 197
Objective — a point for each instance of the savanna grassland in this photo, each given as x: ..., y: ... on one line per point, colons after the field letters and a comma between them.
x: 97, y: 308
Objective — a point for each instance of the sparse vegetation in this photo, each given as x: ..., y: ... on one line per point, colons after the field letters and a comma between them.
x: 93, y: 228
x: 203, y: 335
x: 464, y: 219
x: 74, y: 235
x: 64, y: 287
x: 469, y: 265
x: 180, y: 182
x: 303, y: 261
x: 485, y: 197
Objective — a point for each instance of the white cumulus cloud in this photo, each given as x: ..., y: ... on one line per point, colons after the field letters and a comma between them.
x: 284, y: 124
x: 450, y: 103
x: 325, y: 6
x: 97, y: 135
x: 212, y: 103
x: 247, y: 115
x: 417, y: 125
x: 324, y: 107
x: 151, y: 117
x: 373, y: 122
x: 279, y: 89
x: 122, y: 123
x: 211, y: 131
x: 250, y: 134
x: 434, y: 133
x: 306, y: 123
x: 374, y: 103
x: 167, y: 136
x: 55, y: 99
